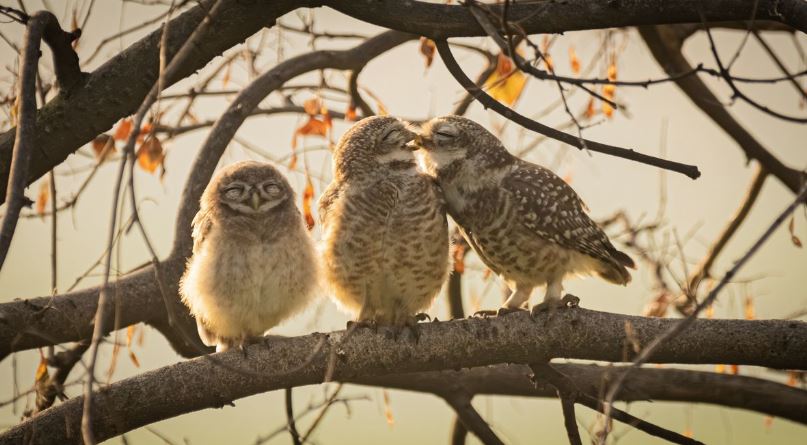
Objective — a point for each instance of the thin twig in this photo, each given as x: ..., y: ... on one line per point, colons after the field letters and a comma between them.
x: 647, y: 352
x: 292, y: 427
x: 461, y: 403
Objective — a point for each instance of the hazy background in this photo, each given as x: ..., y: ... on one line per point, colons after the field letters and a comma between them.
x: 696, y: 210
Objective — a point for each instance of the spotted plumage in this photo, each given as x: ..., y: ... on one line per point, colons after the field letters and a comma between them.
x: 384, y: 222
x: 254, y: 263
x: 526, y: 223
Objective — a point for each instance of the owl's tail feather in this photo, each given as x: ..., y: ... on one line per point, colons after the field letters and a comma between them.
x: 615, y: 270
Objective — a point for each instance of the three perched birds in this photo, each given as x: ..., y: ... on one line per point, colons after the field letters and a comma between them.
x: 385, y: 235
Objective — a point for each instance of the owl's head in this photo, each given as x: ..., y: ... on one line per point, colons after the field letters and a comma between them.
x: 450, y: 140
x: 373, y: 144
x: 249, y: 188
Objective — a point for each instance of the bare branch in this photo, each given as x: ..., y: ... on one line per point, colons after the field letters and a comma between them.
x: 665, y: 44
x: 461, y: 403
x: 489, y: 102
x: 516, y: 338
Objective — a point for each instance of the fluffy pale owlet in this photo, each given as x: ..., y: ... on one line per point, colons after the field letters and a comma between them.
x: 525, y: 223
x: 254, y: 263
x: 384, y: 222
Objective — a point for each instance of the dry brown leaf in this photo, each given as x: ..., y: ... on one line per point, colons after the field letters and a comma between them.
x: 293, y: 159
x: 150, y: 155
x: 734, y: 369
x: 458, y: 253
x: 43, y: 196
x: 103, y: 146
x: 133, y: 358
x: 123, y: 129
x: 388, y: 408
x: 350, y: 114
x: 574, y: 61
x: 427, y: 49
x: 130, y: 331
x: 312, y: 106
x: 590, y: 110
x: 749, y: 308
x: 792, y: 228
x: 314, y: 127
x: 308, y: 199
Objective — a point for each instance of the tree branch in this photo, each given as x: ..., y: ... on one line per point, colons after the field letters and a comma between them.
x: 489, y: 102
x: 470, y: 418
x: 665, y: 44
x: 66, y: 124
x: 438, y: 21
x: 574, y: 333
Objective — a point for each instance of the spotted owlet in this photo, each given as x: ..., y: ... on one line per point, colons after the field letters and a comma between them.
x: 384, y: 222
x: 254, y: 263
x: 525, y: 223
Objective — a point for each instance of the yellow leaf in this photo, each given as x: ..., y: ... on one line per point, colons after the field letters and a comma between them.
x: 293, y: 159
x: 612, y: 71
x: 792, y: 378
x: 607, y: 109
x: 710, y: 312
x: 767, y: 422
x: 388, y: 409
x: 42, y: 375
x: 574, y: 61
x: 382, y: 110
x: 734, y: 369
x: 42, y: 196
x: 150, y: 155
x: 720, y: 369
x: 687, y: 433
x: 427, y: 49
x: 130, y: 331
x: 505, y: 84
x: 308, y: 198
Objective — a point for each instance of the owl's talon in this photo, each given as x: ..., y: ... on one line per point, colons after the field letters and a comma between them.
x: 422, y: 316
x: 568, y: 301
x: 367, y: 324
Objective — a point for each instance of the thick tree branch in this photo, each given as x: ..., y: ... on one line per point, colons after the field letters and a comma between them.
x: 276, y: 363
x: 438, y: 21
x: 665, y: 44
x: 66, y: 123
x: 107, y: 94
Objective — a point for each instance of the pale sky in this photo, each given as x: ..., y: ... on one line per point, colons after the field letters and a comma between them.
x: 695, y: 210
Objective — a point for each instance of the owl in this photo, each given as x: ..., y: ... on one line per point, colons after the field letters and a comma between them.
x: 254, y: 263
x: 385, y: 239
x: 525, y: 223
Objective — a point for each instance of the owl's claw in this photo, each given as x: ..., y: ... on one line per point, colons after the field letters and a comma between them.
x: 568, y: 301
x: 368, y: 324
x: 422, y: 316
x: 498, y: 313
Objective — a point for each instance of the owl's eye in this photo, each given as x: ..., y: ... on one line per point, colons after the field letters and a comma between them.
x: 445, y: 134
x: 233, y: 192
x: 389, y: 134
x: 271, y: 189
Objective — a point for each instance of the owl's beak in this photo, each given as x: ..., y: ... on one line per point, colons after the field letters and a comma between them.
x: 422, y: 142
x: 255, y: 200
x: 410, y: 138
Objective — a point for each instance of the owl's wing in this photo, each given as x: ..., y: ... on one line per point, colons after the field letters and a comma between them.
x: 202, y: 223
x: 548, y: 207
x: 326, y: 202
